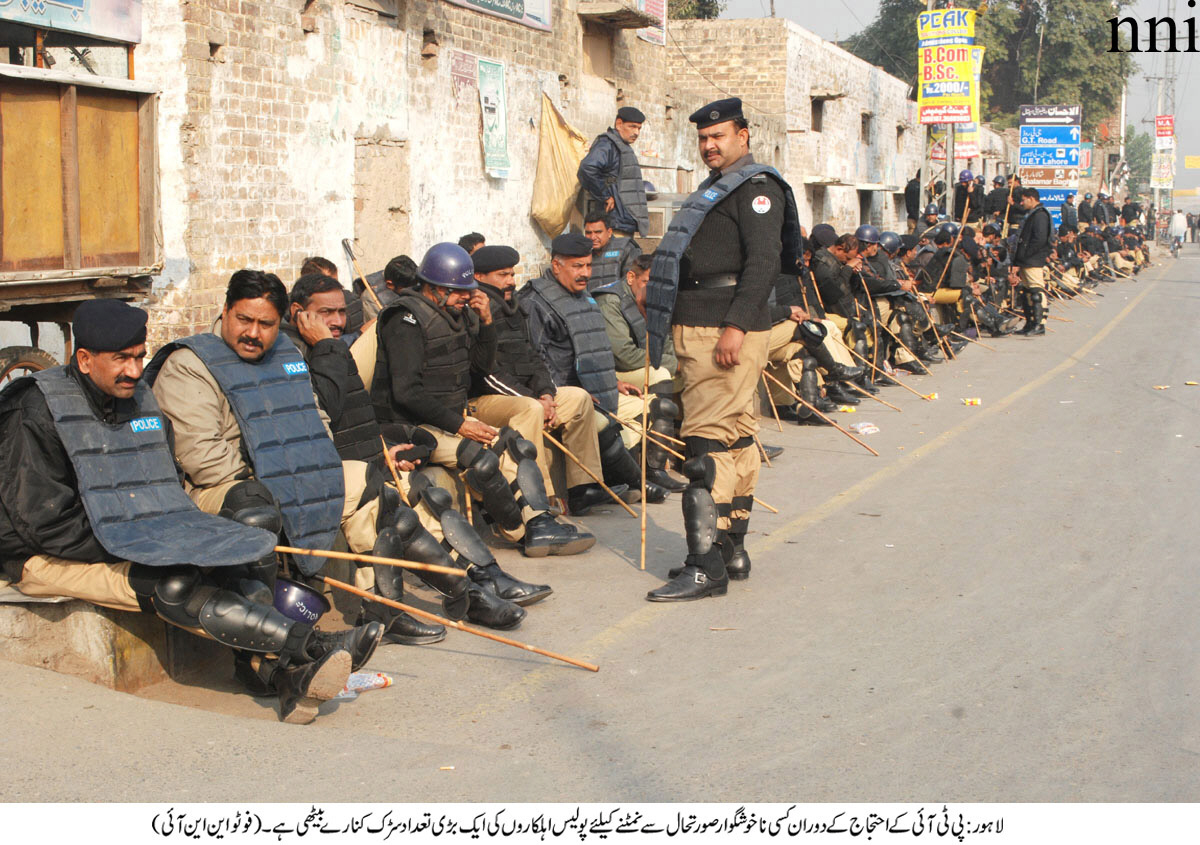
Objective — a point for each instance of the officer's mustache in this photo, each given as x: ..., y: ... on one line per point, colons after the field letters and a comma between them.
x: 249, y: 341
x: 126, y: 380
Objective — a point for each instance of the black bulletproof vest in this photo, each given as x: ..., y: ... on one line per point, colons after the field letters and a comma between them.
x: 283, y: 435
x: 629, y: 309
x: 664, y: 272
x: 594, y: 363
x: 446, y: 374
x: 515, y: 355
x: 630, y: 187
x: 610, y: 263
x: 129, y: 487
x: 357, y: 435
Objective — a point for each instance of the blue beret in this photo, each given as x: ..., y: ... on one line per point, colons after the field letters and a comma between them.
x: 715, y: 112
x: 108, y: 325
x: 571, y: 245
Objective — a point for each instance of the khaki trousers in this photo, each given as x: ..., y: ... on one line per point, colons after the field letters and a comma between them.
x: 105, y: 584
x: 782, y: 361
x: 629, y: 409
x: 887, y: 316
x: 1033, y: 277
x: 1122, y: 263
x: 525, y: 416
x: 718, y: 405
x: 657, y: 376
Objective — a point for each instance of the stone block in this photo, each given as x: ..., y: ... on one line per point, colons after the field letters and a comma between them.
x: 116, y: 649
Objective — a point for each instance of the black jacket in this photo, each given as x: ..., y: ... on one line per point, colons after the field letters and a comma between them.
x: 912, y: 199
x: 1033, y: 239
x: 833, y: 280
x: 40, y: 508
x: 518, y: 365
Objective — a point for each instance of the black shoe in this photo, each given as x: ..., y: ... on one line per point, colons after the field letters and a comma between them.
x: 655, y: 494
x: 491, y: 611
x: 1035, y: 331
x: 915, y: 368
x: 840, y: 372
x: 360, y: 641
x: 690, y: 584
x: 665, y: 480
x: 583, y: 497
x: 789, y: 413
x: 841, y: 395
x: 546, y: 536
x: 738, y: 567
x: 302, y: 688
x: 772, y: 452
x: 823, y: 405
x: 885, y: 380
x: 929, y: 354
x: 956, y: 345
x: 507, y: 587
x: 408, y: 630
x: 812, y: 419
x: 868, y: 384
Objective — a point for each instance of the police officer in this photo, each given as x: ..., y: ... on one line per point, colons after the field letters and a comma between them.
x: 912, y: 201
x: 611, y: 254
x: 1029, y: 260
x: 521, y: 389
x: 966, y: 190
x: 92, y: 508
x: 1070, y: 213
x: 567, y: 328
x: 710, y: 282
x: 429, y: 343
x: 1085, y: 213
x: 612, y: 175
x: 997, y: 200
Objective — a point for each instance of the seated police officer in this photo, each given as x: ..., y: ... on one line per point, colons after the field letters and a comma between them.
x: 249, y: 434
x: 428, y: 344
x: 520, y: 391
x: 611, y: 254
x: 314, y: 323
x: 92, y: 508
x: 567, y: 328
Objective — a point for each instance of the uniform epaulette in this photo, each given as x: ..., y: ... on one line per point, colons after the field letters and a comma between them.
x: 758, y: 177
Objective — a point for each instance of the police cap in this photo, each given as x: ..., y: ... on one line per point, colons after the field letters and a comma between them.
x: 571, y: 245
x: 493, y: 257
x: 824, y: 235
x: 108, y: 325
x: 630, y: 115
x: 716, y: 112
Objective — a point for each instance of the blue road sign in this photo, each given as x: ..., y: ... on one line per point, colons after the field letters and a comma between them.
x: 1055, y: 196
x: 1049, y: 136
x: 1049, y: 157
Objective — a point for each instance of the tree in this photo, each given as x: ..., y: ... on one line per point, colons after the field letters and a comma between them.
x: 1037, y: 51
x: 1139, y: 147
x: 680, y: 9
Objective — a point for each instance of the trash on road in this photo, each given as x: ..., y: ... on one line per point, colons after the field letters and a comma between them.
x: 864, y: 428
x: 1162, y: 387
x: 973, y: 400
x: 360, y: 682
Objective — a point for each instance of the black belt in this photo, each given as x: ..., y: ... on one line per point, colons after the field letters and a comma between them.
x: 724, y: 280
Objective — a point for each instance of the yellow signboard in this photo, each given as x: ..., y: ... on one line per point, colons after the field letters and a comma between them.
x: 947, y: 66
x: 1191, y: 162
x: 946, y: 26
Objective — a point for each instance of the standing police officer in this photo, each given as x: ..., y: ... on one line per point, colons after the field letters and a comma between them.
x: 710, y: 281
x: 1029, y: 260
x: 612, y: 176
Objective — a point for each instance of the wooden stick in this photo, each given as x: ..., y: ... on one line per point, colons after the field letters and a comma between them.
x: 796, y: 396
x: 354, y: 261
x: 942, y: 342
x: 452, y: 624
x: 869, y: 395
x: 383, y: 561
x: 1049, y: 316
x: 658, y: 437
x: 645, y: 444
x: 583, y: 467
x: 954, y: 247
x: 972, y: 340
x: 762, y: 450
x: 387, y: 459
x: 880, y: 372
x: 774, y: 410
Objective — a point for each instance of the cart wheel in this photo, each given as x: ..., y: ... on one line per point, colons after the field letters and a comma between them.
x: 17, y: 361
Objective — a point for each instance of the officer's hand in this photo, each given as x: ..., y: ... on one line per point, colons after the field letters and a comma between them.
x: 627, y: 389
x: 477, y: 431
x: 402, y: 466
x: 907, y: 285
x: 480, y: 304
x: 727, y: 353
x: 609, y: 204
x: 311, y: 328
x: 798, y: 315
x: 549, y: 411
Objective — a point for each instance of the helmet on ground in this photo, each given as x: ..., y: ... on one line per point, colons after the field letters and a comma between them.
x: 448, y: 265
x: 299, y: 601
x: 966, y: 176
x: 867, y: 234
x: 889, y: 242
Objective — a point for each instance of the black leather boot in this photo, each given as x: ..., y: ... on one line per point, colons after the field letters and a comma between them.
x: 519, y: 592
x: 703, y: 572
x: 359, y: 642
x: 301, y: 689
x: 491, y: 611
x: 621, y: 467
x: 737, y: 567
x: 583, y: 497
x: 544, y: 535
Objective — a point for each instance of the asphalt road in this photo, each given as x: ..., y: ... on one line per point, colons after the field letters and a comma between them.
x: 1002, y: 607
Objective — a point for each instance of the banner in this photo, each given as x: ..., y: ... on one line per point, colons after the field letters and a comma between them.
x: 1164, y: 126
x: 1162, y: 171
x: 1085, y: 159
x: 493, y: 101
x: 109, y: 20
x: 534, y: 14
x: 657, y: 9
x: 1050, y: 154
x: 966, y: 142
x: 946, y: 67
x: 1191, y: 162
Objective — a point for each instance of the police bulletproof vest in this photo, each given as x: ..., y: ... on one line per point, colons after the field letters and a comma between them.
x: 129, y: 487
x: 664, y: 272
x: 630, y: 188
x: 515, y: 354
x: 594, y: 363
x: 446, y: 374
x: 629, y: 309
x: 608, y: 264
x: 357, y: 435
x: 282, y: 433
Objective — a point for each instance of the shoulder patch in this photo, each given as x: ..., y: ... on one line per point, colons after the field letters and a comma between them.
x: 759, y: 177
x: 409, y: 318
x: 711, y: 195
x: 761, y: 204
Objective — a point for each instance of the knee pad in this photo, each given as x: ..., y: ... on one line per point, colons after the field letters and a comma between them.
x: 664, y: 408
x: 505, y: 440
x: 521, y: 449
x: 468, y: 452
x: 245, y: 495
x: 176, y: 586
x: 701, y: 471
x: 608, y: 434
